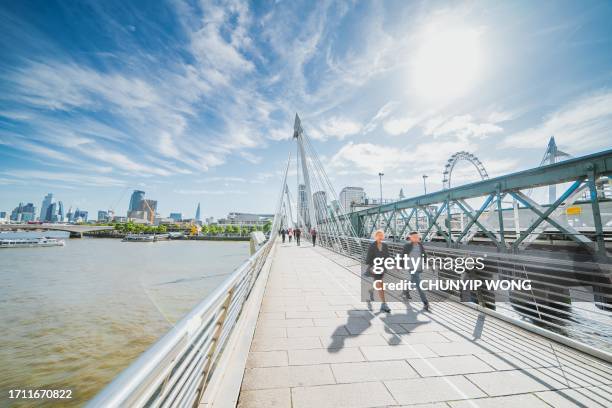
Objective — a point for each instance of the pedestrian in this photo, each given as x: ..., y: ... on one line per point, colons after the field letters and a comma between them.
x: 298, y: 233
x: 290, y: 233
x: 378, y: 249
x: 283, y: 234
x: 416, y: 252
x: 313, y: 234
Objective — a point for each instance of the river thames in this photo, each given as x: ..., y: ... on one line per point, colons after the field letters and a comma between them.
x: 73, y: 317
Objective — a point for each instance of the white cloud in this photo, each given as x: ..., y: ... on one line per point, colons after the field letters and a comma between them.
x: 382, y: 113
x: 250, y: 157
x: 340, y: 128
x: 62, y: 177
x: 208, y: 192
x: 399, y: 126
x: 464, y: 127
x: 583, y: 124
x: 368, y: 157
x: 355, y: 158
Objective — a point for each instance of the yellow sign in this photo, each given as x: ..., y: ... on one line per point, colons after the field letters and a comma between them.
x: 573, y: 210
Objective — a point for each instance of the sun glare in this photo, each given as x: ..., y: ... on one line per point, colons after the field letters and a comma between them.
x: 447, y: 64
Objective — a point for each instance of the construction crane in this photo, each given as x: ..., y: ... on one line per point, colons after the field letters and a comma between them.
x: 151, y: 212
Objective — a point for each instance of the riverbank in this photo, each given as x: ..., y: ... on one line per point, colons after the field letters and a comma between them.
x: 221, y: 237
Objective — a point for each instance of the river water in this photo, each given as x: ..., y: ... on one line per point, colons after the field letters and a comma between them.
x: 73, y: 317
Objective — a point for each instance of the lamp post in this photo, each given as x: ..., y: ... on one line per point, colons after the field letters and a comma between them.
x: 380, y: 177
x: 424, y: 184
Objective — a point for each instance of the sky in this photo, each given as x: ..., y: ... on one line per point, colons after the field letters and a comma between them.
x: 193, y: 101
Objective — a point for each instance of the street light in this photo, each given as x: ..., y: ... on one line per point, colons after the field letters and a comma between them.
x: 424, y: 185
x: 380, y: 177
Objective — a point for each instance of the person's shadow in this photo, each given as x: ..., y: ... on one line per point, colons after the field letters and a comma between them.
x: 410, y: 321
x: 358, y: 321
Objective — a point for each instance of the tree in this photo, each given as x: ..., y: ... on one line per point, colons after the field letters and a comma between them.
x: 267, y: 226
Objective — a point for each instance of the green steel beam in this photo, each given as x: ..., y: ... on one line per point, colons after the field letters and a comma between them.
x: 568, y: 170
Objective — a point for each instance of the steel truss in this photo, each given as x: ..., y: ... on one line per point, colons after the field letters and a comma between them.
x: 431, y: 214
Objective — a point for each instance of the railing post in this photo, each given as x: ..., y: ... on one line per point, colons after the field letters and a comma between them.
x: 215, y: 342
x: 601, y: 248
x: 500, y: 217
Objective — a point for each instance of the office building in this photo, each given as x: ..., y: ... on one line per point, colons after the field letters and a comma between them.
x: 303, y: 204
x: 79, y: 215
x: 319, y: 199
x: 198, y: 215
x: 60, y: 212
x: 176, y: 216
x: 135, y: 200
x: 102, y: 216
x: 44, y: 208
x: 246, y: 219
x: 351, y: 196
x: 24, y: 213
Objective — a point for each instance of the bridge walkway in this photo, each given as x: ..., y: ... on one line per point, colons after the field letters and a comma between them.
x: 317, y: 345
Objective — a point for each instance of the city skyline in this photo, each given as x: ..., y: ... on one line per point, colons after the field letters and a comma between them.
x: 194, y: 102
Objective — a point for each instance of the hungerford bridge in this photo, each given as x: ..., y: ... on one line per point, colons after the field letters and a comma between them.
x: 289, y: 328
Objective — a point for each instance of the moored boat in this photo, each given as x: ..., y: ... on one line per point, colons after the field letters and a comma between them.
x: 31, y: 242
x: 138, y: 238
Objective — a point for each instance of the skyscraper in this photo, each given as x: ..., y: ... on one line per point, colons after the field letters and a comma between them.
x: 320, y: 204
x: 350, y: 196
x: 303, y: 205
x: 60, y: 212
x: 24, y: 213
x: 44, y: 208
x: 197, y: 216
x: 80, y: 215
x: 135, y: 201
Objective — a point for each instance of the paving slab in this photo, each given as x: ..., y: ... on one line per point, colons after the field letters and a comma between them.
x: 515, y: 382
x: 512, y: 401
x: 324, y: 356
x: 434, y: 389
x: 355, y: 395
x: 275, y: 398
x: 372, y: 370
x: 283, y: 377
x: 585, y: 397
x: 452, y: 365
x: 283, y: 343
x: 398, y: 352
x: 267, y: 359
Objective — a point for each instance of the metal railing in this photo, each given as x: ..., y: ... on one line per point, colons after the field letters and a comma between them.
x: 175, y: 370
x: 569, y: 297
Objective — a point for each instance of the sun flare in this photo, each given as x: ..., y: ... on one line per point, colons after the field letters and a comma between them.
x: 447, y: 63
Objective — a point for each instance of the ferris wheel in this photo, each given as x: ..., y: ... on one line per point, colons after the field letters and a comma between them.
x: 462, y: 156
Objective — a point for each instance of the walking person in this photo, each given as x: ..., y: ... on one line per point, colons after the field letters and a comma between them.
x: 290, y: 233
x: 313, y: 234
x: 298, y: 233
x: 283, y: 234
x: 378, y: 249
x: 416, y: 251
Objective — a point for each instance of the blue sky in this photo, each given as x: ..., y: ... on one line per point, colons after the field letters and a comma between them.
x: 193, y: 101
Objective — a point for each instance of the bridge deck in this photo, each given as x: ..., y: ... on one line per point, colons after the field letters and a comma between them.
x: 317, y: 345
